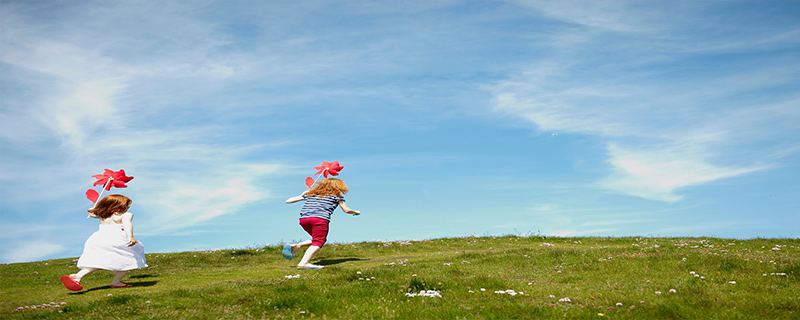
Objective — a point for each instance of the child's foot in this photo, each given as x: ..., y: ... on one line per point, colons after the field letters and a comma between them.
x: 288, y: 251
x: 120, y: 285
x: 71, y: 283
x: 310, y: 266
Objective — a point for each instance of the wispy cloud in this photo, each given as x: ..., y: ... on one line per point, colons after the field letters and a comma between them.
x: 105, y: 108
x: 604, y: 15
x: 650, y: 158
x: 190, y: 198
x: 657, y: 173
x: 31, y: 251
x: 663, y: 132
x: 81, y: 87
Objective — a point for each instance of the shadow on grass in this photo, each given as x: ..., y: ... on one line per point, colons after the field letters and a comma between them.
x: 330, y: 262
x: 134, y: 284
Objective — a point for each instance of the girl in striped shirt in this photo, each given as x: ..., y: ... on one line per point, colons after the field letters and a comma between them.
x: 320, y: 202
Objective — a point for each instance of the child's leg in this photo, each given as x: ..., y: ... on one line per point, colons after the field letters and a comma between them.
x: 312, y: 250
x: 299, y: 245
x: 85, y: 271
x: 118, y: 278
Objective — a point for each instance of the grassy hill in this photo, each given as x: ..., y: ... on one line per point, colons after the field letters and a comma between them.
x: 506, y: 277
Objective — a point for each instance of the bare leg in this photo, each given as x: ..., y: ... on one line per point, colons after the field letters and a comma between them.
x: 85, y: 271
x: 310, y: 252
x: 299, y: 245
x: 118, y: 278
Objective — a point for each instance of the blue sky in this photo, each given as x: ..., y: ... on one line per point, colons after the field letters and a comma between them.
x: 452, y: 118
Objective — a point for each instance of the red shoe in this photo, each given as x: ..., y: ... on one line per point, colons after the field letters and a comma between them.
x: 122, y: 286
x: 71, y: 284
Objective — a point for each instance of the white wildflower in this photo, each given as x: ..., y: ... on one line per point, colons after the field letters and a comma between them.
x: 424, y: 293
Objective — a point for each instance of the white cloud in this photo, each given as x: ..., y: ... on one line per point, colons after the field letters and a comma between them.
x: 77, y: 114
x: 59, y: 59
x: 663, y: 132
x: 656, y: 173
x: 87, y: 115
x: 190, y: 205
x: 680, y: 145
x: 31, y: 250
x: 604, y: 15
x: 187, y: 199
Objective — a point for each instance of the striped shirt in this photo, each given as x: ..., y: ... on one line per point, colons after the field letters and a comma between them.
x: 319, y: 207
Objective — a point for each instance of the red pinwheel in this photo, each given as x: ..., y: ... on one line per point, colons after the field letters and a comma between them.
x: 107, y: 179
x: 325, y: 169
x: 329, y: 167
x: 112, y: 179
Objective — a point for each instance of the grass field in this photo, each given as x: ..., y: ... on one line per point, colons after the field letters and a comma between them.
x: 508, y: 277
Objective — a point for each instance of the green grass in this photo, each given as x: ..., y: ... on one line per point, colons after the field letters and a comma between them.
x: 370, y: 280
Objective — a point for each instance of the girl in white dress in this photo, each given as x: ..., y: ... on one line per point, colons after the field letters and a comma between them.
x: 113, y: 247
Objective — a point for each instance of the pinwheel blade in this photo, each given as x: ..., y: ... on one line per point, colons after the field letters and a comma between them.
x: 92, y: 195
x: 309, y: 182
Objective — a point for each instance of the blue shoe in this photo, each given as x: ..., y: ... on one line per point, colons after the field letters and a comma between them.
x: 287, y: 251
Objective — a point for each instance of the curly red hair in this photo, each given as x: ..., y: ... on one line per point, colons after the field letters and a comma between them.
x: 329, y: 187
x: 115, y: 203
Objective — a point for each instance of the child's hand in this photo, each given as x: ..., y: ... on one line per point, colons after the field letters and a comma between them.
x: 132, y: 241
x: 355, y: 212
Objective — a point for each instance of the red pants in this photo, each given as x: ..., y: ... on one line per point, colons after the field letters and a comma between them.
x: 317, y: 228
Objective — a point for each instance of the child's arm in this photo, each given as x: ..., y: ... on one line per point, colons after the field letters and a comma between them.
x: 297, y: 198
x: 127, y: 224
x: 347, y: 209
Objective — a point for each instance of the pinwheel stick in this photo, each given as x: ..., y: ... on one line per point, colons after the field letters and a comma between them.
x: 110, y: 179
x: 317, y: 179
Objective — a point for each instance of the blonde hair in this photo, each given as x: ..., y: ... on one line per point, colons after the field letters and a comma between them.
x: 111, y: 204
x: 329, y: 187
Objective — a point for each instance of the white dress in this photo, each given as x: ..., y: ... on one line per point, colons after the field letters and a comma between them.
x: 107, y: 249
